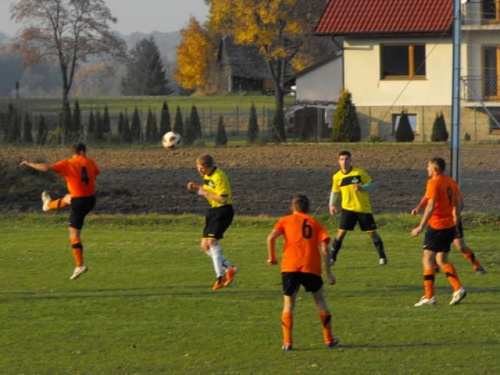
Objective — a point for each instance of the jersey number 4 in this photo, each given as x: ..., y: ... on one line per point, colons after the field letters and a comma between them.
x: 85, y: 177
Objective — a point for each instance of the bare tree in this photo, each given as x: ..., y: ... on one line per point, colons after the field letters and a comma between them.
x: 68, y: 31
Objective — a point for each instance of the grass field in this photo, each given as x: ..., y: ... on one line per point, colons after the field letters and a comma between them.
x: 146, y: 305
x: 221, y: 103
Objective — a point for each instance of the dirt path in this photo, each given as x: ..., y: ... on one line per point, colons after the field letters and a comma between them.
x: 263, y: 179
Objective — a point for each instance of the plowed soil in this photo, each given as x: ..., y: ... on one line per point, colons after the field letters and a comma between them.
x: 263, y: 179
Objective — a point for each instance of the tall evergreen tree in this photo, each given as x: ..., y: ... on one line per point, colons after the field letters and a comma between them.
x: 221, y: 137
x: 121, y: 119
x: 179, y: 123
x: 77, y: 121
x: 126, y: 132
x: 404, y: 132
x: 41, y: 131
x: 194, y: 122
x: 66, y: 126
x: 14, y: 131
x: 136, y: 125
x: 188, y: 135
x: 106, y: 122
x: 253, y: 126
x: 146, y: 73
x: 98, y: 133
x: 165, y: 119
x: 91, y: 124
x: 28, y: 128
x: 151, y: 128
x: 345, y: 121
x: 8, y: 122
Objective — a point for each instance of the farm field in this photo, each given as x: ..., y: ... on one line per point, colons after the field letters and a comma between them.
x: 146, y: 305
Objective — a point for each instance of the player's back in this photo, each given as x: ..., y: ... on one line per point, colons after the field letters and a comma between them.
x: 444, y: 190
x: 80, y: 174
x: 302, y: 235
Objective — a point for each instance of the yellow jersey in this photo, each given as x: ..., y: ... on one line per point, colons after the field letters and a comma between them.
x: 357, y: 201
x: 217, y: 183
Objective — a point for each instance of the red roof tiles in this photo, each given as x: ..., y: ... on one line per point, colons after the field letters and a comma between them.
x: 364, y: 17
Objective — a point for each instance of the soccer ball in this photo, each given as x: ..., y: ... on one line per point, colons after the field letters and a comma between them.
x: 171, y: 140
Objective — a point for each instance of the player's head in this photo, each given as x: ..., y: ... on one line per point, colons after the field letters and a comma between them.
x: 345, y: 160
x: 436, y: 165
x: 79, y: 148
x: 300, y: 203
x: 205, y: 164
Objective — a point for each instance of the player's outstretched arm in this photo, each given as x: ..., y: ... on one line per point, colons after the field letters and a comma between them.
x: 42, y: 167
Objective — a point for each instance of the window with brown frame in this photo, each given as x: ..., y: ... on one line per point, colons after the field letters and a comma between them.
x: 491, y: 10
x: 402, y: 61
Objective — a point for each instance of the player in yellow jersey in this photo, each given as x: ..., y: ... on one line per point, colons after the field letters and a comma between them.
x: 353, y: 184
x: 80, y: 174
x: 217, y: 192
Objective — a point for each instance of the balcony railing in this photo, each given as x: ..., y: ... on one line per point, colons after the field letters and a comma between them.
x: 478, y: 89
x: 475, y: 13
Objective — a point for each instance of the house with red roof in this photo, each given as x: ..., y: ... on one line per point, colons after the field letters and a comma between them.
x: 397, y: 55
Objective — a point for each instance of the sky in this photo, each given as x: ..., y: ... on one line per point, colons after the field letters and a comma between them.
x: 134, y: 15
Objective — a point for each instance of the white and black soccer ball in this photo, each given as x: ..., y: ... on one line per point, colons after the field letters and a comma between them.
x: 171, y: 140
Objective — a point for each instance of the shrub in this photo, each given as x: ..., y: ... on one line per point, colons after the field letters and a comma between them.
x: 221, y: 137
x: 345, y: 121
x: 253, y: 126
x: 439, y: 132
x: 404, y: 132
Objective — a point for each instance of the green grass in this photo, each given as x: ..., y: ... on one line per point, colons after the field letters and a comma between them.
x: 146, y: 305
x: 223, y: 103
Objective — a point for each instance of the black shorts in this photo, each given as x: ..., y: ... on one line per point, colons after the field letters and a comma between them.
x: 292, y: 281
x: 439, y: 240
x: 348, y: 220
x: 80, y: 207
x: 217, y: 221
x: 459, y: 230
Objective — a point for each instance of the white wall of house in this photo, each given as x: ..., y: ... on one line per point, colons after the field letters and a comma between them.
x: 322, y: 84
x: 362, y: 74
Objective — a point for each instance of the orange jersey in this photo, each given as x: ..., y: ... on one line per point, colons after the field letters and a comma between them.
x: 303, y: 234
x: 445, y: 192
x: 80, y: 173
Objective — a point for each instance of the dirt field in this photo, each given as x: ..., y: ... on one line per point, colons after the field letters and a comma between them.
x: 263, y: 179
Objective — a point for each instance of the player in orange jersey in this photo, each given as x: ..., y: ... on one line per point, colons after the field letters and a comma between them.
x: 459, y: 241
x: 80, y: 173
x: 301, y: 265
x: 441, y: 216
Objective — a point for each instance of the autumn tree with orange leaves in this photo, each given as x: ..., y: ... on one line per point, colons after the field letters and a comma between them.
x: 193, y: 56
x: 68, y: 31
x: 279, y: 28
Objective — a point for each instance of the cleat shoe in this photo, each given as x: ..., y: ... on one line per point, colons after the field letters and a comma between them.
x: 480, y: 271
x: 78, y: 272
x: 230, y: 274
x: 426, y: 301
x: 287, y: 347
x: 382, y: 261
x: 334, y: 342
x: 458, y: 296
x: 46, y: 200
x: 219, y: 283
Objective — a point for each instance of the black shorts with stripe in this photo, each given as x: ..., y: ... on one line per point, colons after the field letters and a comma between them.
x: 80, y: 207
x: 292, y: 281
x: 348, y: 220
x: 217, y: 221
x: 439, y: 240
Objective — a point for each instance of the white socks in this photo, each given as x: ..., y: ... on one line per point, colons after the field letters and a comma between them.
x: 217, y: 259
